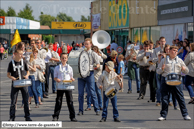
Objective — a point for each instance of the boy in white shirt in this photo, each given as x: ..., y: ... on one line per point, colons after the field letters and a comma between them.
x: 64, y: 72
x: 105, y: 81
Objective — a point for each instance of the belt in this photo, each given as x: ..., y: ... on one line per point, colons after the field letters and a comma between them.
x: 144, y: 67
x: 52, y: 65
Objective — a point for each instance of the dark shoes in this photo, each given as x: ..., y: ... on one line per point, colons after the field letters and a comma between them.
x: 74, y: 120
x: 45, y: 96
x: 36, y: 106
x: 80, y: 113
x: 11, y: 119
x: 137, y: 91
x: 129, y: 92
x: 28, y: 119
x: 116, y: 120
x: 55, y: 119
x: 54, y: 92
x: 191, y: 101
x: 98, y: 113
x: 140, y: 97
x: 87, y: 109
x: 103, y: 120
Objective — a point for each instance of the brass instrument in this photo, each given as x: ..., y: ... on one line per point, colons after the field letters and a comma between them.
x: 46, y: 49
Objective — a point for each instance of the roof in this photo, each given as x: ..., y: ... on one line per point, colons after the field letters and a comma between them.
x: 44, y: 27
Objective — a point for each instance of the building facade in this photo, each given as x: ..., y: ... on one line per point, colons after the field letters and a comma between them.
x: 175, y: 19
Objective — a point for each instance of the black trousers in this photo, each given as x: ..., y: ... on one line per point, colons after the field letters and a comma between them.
x: 152, y: 89
x: 144, y: 78
x: 47, y: 80
x: 14, y: 95
x: 1, y: 56
x: 58, y: 104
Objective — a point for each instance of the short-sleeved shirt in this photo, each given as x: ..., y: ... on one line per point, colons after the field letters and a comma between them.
x: 15, y: 73
x: 121, y: 65
x: 66, y: 75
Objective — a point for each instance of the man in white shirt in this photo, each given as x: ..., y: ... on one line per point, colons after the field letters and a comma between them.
x: 51, y: 60
x: 113, y: 46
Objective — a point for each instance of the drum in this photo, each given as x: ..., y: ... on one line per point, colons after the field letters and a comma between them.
x: 22, y: 83
x: 65, y: 86
x: 80, y: 63
x: 173, y: 79
x: 110, y: 92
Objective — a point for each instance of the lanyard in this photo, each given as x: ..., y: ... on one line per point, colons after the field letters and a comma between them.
x: 63, y: 71
x: 110, y: 81
x: 18, y: 67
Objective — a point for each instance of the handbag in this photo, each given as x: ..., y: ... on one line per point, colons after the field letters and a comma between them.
x: 40, y: 76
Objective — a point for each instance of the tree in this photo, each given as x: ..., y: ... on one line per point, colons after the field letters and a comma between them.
x: 11, y: 12
x: 84, y: 19
x: 2, y: 12
x: 46, y: 19
x: 64, y: 17
x: 26, y: 12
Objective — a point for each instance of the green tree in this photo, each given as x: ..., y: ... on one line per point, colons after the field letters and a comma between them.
x: 11, y: 12
x: 46, y: 19
x: 85, y: 19
x: 2, y: 13
x: 89, y: 18
x: 48, y: 38
x: 64, y: 17
x: 26, y: 12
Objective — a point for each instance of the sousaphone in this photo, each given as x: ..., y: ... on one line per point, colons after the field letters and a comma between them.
x: 101, y: 39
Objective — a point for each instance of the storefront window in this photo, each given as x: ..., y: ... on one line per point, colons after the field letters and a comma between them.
x: 144, y: 34
x: 155, y: 33
x: 136, y: 35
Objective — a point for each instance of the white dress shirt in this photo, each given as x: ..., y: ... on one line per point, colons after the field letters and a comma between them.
x: 63, y: 72
x: 48, y: 56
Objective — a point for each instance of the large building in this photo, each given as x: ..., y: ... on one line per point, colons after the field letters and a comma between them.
x: 12, y: 23
x: 140, y: 20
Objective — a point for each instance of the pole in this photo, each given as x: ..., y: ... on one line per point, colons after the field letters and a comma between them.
x: 193, y: 21
x: 91, y: 33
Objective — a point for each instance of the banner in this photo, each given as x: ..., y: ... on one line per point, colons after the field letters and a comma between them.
x: 118, y: 14
x: 180, y: 31
x: 96, y: 21
x: 71, y: 25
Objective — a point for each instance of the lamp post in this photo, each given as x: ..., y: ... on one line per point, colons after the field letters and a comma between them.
x: 193, y: 20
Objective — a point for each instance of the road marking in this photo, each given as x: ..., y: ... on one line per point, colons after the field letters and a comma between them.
x: 6, y: 81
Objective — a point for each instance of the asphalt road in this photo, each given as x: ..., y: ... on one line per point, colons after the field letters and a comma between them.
x: 132, y: 113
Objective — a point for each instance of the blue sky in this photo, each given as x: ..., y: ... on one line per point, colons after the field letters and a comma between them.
x: 74, y: 8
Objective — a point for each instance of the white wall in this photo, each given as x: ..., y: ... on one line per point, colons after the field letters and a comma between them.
x: 68, y: 39
x: 168, y: 33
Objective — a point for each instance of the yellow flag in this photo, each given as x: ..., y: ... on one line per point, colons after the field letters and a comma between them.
x: 144, y: 36
x: 16, y: 38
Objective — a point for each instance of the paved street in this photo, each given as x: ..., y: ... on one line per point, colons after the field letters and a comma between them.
x: 132, y: 113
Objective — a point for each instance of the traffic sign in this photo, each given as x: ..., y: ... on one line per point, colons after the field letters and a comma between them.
x: 119, y: 49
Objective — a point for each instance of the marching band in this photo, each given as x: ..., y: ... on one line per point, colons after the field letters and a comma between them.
x: 161, y: 67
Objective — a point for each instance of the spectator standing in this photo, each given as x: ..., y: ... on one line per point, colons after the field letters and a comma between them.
x: 113, y: 46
